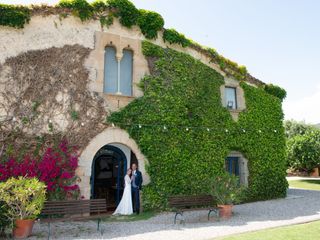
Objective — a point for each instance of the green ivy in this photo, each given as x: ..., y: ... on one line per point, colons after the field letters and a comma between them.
x: 276, y: 91
x: 182, y: 92
x: 172, y: 36
x: 80, y: 8
x: 150, y: 50
x: 99, y: 6
x: 126, y: 11
x: 14, y: 16
x: 150, y: 23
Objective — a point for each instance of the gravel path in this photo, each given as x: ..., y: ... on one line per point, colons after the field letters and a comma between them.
x: 300, y: 206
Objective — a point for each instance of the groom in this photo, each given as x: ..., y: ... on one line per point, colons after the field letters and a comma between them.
x: 136, y: 187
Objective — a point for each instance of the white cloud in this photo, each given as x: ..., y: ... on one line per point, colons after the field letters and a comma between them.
x: 306, y: 109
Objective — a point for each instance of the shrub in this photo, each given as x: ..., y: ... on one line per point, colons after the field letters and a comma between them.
x: 4, y: 220
x: 56, y: 168
x: 23, y: 196
x: 150, y: 23
x: 226, y: 189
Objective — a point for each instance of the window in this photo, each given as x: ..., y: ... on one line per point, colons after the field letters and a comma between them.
x: 110, y: 71
x: 118, y: 74
x: 231, y: 98
x: 237, y: 165
x: 126, y: 72
x: 232, y: 165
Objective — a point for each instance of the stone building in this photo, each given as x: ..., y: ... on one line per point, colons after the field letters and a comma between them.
x: 75, y: 74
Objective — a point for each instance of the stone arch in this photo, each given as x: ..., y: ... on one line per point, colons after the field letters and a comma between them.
x: 111, y: 135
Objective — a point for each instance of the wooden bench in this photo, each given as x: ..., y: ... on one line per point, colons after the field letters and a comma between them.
x: 73, y: 210
x: 179, y: 204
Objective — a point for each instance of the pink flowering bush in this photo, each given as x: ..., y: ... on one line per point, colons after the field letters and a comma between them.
x: 56, y: 168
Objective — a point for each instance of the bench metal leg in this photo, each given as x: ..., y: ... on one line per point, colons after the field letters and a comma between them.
x: 215, y: 210
x: 178, y: 213
x: 99, y: 229
x: 49, y: 230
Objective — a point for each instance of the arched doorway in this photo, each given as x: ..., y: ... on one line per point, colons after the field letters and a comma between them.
x: 109, y: 167
x: 110, y: 136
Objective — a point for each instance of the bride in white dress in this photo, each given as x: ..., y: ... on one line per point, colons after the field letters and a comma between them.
x: 125, y: 205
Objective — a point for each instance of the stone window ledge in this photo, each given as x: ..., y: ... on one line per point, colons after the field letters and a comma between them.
x: 236, y: 110
x: 118, y: 96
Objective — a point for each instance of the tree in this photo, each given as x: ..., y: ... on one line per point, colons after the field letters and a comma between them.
x: 304, y: 151
x: 294, y: 128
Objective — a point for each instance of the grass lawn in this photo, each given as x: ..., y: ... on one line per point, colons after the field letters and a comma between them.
x: 305, y: 184
x: 307, y: 231
x: 130, y: 218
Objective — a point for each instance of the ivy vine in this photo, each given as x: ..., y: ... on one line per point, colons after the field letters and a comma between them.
x: 276, y: 91
x: 182, y: 91
x: 126, y: 11
x: 172, y: 36
x: 150, y: 23
x: 80, y: 8
x: 14, y: 16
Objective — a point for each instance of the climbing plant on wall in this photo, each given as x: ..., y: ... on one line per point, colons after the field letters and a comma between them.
x: 182, y: 91
x: 150, y: 23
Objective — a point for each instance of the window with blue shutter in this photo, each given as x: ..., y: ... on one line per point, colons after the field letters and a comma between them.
x: 232, y: 165
x: 110, y: 71
x: 126, y: 72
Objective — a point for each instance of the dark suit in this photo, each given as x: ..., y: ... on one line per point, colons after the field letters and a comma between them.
x: 136, y: 187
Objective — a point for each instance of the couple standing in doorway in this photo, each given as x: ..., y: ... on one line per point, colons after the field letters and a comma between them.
x: 130, y: 201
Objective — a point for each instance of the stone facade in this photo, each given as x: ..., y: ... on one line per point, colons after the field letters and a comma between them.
x: 45, y: 32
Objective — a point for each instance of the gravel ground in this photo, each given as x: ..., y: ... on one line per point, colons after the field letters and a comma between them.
x: 300, y: 206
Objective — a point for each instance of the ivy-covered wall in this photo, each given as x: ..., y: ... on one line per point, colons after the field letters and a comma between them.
x: 186, y: 134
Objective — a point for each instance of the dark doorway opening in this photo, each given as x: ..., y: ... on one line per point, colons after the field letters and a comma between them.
x: 107, y: 179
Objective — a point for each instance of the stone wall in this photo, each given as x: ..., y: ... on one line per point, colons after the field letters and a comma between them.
x: 51, y: 80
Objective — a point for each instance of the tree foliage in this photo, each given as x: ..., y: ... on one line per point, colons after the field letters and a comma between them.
x: 303, y: 146
x: 294, y: 128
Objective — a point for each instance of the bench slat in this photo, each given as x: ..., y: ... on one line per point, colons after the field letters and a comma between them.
x: 72, y: 209
x: 191, y: 201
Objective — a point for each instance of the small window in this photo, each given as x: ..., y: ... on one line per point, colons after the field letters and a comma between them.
x: 231, y: 97
x: 232, y: 165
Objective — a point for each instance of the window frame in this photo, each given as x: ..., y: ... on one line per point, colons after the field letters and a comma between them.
x: 119, y: 60
x: 235, y: 97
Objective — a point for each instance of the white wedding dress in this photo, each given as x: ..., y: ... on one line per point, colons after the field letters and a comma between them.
x: 125, y: 205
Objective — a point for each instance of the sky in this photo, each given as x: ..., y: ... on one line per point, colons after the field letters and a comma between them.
x: 278, y: 41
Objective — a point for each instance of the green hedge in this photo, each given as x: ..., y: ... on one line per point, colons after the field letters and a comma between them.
x: 186, y: 134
